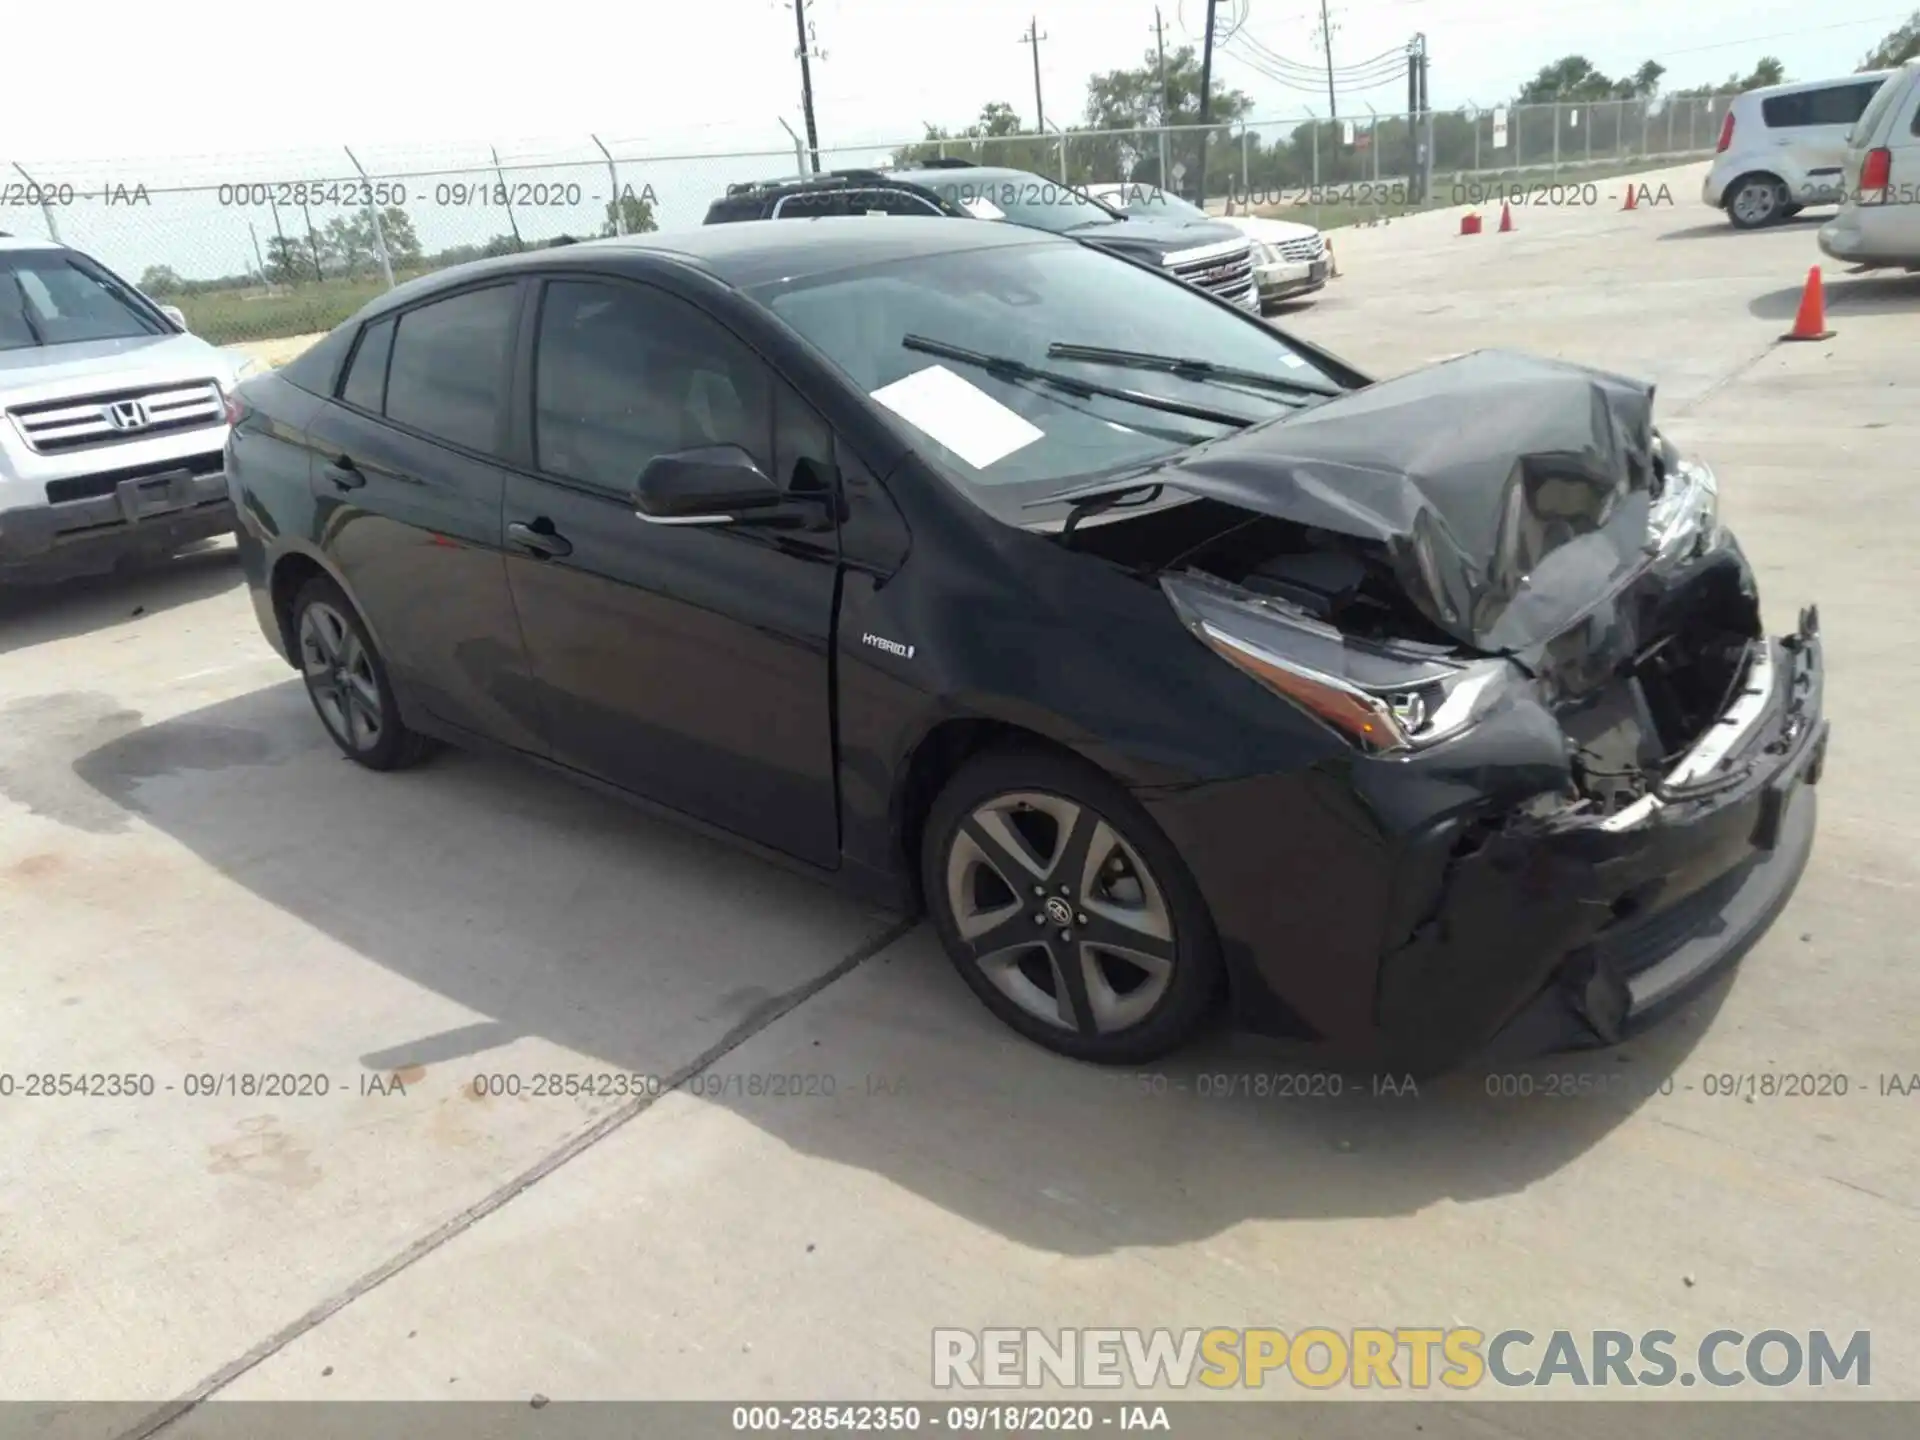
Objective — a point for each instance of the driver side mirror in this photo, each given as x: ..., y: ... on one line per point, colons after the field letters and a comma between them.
x: 710, y: 485
x: 175, y: 314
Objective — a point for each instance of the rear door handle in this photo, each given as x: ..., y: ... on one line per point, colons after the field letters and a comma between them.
x: 539, y: 539
x: 344, y: 474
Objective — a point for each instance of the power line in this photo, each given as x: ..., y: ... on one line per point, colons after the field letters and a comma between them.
x: 1316, y: 87
x: 1385, y: 59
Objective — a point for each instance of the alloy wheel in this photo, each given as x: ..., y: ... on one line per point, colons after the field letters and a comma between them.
x: 339, y: 674
x: 1755, y: 203
x: 1060, y: 913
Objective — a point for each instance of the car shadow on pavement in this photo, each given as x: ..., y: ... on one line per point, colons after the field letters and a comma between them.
x: 1872, y: 294
x: 35, y: 614
x: 1724, y: 227
x: 928, y: 1090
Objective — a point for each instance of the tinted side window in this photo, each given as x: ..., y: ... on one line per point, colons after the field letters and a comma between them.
x: 1835, y: 105
x: 366, y: 383
x: 1784, y: 111
x: 1840, y: 105
x: 624, y: 373
x: 449, y: 367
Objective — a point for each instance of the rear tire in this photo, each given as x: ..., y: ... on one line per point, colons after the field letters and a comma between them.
x: 1066, y: 910
x: 347, y: 681
x: 1756, y: 201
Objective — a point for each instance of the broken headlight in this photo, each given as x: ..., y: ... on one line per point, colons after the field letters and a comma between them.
x: 1381, y: 699
x: 1686, y: 517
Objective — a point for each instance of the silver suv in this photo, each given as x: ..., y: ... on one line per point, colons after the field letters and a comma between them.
x: 112, y: 419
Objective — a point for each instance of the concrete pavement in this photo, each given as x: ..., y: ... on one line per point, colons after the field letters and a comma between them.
x: 193, y: 883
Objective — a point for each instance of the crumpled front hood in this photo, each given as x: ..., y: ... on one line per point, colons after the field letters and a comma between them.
x: 1510, y: 492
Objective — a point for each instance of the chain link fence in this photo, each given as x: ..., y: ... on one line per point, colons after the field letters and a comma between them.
x: 256, y: 248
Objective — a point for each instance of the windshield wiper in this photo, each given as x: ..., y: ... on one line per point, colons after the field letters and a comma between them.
x: 1012, y: 369
x: 26, y: 311
x: 1188, y: 369
x: 1086, y: 501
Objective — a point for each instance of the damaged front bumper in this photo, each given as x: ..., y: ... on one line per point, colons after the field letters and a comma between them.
x: 1561, y: 931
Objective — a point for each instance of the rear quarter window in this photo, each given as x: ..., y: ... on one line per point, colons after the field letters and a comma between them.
x: 1832, y: 105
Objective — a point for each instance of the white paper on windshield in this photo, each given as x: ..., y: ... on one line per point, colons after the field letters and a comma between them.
x: 961, y: 416
x: 1293, y: 361
x: 982, y: 209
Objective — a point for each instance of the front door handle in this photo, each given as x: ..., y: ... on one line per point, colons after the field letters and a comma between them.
x: 344, y: 474
x: 539, y: 539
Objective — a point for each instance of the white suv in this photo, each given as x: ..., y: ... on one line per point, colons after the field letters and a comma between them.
x: 112, y: 419
x: 1784, y: 148
x: 1879, y: 221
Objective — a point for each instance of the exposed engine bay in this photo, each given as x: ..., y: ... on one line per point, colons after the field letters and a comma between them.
x: 1633, y: 684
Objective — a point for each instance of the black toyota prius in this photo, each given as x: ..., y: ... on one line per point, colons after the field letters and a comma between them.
x: 1165, y: 661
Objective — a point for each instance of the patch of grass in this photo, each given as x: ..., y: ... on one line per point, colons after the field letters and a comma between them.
x: 225, y: 317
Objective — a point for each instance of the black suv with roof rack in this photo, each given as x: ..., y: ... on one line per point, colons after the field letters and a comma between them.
x: 1208, y: 253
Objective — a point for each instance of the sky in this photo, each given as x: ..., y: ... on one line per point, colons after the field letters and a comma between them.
x: 387, y: 75
x: 282, y: 92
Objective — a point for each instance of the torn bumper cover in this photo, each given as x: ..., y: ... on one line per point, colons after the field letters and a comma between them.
x: 1553, y: 932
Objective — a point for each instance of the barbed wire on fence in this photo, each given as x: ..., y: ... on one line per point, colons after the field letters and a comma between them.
x: 261, y: 246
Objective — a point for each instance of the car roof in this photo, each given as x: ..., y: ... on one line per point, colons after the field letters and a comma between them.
x: 749, y: 252
x: 949, y: 174
x: 1796, y: 87
x: 27, y: 242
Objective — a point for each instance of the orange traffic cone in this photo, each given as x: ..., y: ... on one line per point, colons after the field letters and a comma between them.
x: 1632, y: 202
x: 1506, y: 217
x: 1811, y: 322
x: 1470, y: 224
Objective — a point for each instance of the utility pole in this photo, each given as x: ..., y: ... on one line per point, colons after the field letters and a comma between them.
x: 1166, y: 92
x: 1206, y: 106
x: 1423, y: 148
x: 1413, y: 119
x: 805, y: 52
x: 1326, y: 45
x: 1033, y: 37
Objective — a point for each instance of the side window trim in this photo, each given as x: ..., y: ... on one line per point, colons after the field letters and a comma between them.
x: 502, y: 430
x: 526, y: 372
x: 339, y: 396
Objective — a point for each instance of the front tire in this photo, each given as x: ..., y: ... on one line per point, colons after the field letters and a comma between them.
x: 347, y: 681
x: 1066, y: 910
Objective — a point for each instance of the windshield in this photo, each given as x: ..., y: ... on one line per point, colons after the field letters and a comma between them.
x: 1030, y: 200
x: 1147, y: 201
x: 53, y: 297
x: 1010, y: 440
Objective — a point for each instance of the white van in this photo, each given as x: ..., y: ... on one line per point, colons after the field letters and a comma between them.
x: 1879, y: 222
x: 1784, y: 147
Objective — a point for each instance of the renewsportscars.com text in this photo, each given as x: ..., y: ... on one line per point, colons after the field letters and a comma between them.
x: 1400, y: 1357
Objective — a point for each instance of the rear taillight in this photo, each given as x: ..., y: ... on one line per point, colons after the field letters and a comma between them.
x: 1875, y: 171
x: 1726, y: 134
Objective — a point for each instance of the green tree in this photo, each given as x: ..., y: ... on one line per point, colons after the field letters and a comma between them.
x: 159, y: 281
x: 996, y: 138
x: 1573, y: 77
x: 1136, y: 99
x: 1902, y: 45
x: 288, y: 261
x: 636, y: 212
x: 1769, y: 71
